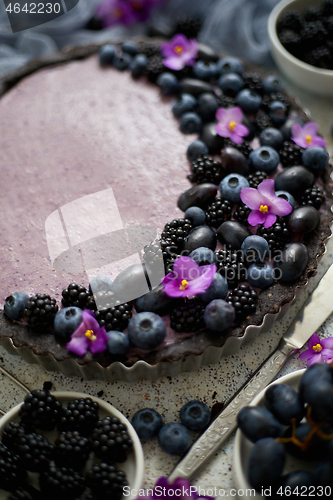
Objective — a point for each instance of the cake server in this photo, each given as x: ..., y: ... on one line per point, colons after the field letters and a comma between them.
x: 316, y: 310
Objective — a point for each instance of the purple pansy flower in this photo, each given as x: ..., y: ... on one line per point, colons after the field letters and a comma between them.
x: 230, y: 124
x: 318, y: 350
x: 180, y: 489
x: 89, y: 336
x: 188, y: 278
x: 113, y: 12
x: 306, y: 137
x: 180, y: 52
x: 265, y: 205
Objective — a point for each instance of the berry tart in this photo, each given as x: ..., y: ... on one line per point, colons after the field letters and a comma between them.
x: 93, y: 144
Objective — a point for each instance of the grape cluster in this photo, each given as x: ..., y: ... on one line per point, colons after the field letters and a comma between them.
x: 298, y: 424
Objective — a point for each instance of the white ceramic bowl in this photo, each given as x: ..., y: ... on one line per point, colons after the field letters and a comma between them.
x: 134, y: 465
x: 314, y: 80
x: 243, y: 446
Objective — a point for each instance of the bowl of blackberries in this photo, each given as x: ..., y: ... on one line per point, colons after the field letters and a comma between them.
x: 301, y: 38
x: 284, y: 441
x: 68, y: 445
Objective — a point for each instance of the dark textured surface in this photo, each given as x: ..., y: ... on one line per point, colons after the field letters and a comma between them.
x: 59, y: 141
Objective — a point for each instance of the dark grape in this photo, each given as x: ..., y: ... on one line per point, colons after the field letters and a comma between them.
x: 297, y: 481
x: 314, y: 451
x: 266, y: 463
x: 323, y: 475
x: 284, y: 402
x: 257, y: 423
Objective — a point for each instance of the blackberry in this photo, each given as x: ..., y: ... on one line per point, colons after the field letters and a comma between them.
x: 12, y: 432
x: 116, y: 317
x: 106, y: 481
x: 253, y: 81
x: 60, y: 482
x: 312, y: 14
x: 26, y: 493
x: 225, y: 101
x: 169, y: 257
x: 35, y: 451
x: 206, y: 169
x: 154, y: 67
x: 175, y: 232
x: 313, y: 196
x: 255, y: 179
x: 320, y: 57
x: 71, y: 449
x: 278, y: 96
x: 313, y: 35
x: 157, y: 252
x: 244, y: 147
x: 291, y: 154
x: 188, y: 26
x: 110, y: 440
x: 75, y: 295
x: 241, y: 213
x: 291, y: 21
x: 277, y: 235
x: 40, y: 409
x: 328, y: 8
x: 79, y: 415
x: 188, y: 317
x: 291, y: 41
x: 262, y: 120
x: 12, y: 474
x: 218, y: 212
x: 150, y: 49
x: 40, y: 310
x: 231, y: 266
x: 244, y: 300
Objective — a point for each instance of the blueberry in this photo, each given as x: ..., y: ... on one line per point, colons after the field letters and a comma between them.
x: 196, y: 149
x: 100, y: 284
x: 260, y: 275
x: 146, y: 330
x: 201, y: 236
x: 271, y: 137
x: 278, y: 112
x: 118, y: 342
x: 207, y: 106
x: 174, y: 438
x: 231, y: 84
x: 264, y: 158
x: 255, y: 249
x: 122, y: 61
x: 106, y: 54
x: 190, y: 123
x: 217, y: 290
x: 138, y: 65
x: 315, y: 158
x: 272, y: 84
x: 231, y: 186
x: 203, y: 256
x: 292, y: 262
x: 184, y: 104
x: 205, y: 70
x: 130, y: 47
x: 230, y: 65
x: 168, y: 83
x: 147, y: 423
x: 219, y: 315
x: 67, y: 320
x: 249, y: 101
x: 196, y: 215
x: 195, y: 415
x: 286, y: 196
x: 15, y: 305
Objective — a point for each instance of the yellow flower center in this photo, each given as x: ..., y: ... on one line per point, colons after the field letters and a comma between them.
x: 263, y: 209
x: 232, y: 126
x: 178, y: 49
x: 317, y: 348
x: 308, y: 139
x: 183, y: 285
x: 91, y: 336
